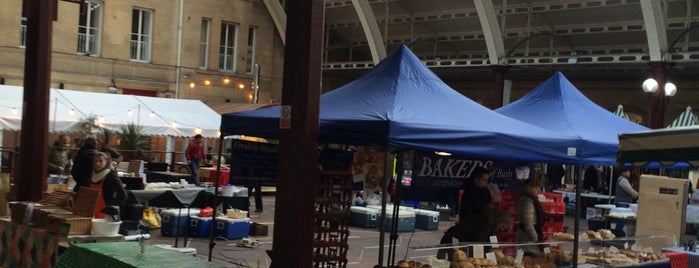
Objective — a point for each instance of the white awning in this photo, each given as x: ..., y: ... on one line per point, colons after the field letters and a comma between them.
x: 156, y: 116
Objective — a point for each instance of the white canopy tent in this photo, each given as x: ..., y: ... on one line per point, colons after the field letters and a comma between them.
x: 156, y: 116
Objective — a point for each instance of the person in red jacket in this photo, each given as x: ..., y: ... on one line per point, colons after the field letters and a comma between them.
x: 195, y: 155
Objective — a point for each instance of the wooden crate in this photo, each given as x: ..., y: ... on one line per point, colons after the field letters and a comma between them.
x: 68, y: 224
x: 40, y: 216
x: 85, y: 202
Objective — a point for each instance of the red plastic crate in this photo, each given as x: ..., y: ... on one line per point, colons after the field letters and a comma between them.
x: 678, y: 259
x: 552, y: 227
x: 507, y: 196
x: 555, y: 197
x: 506, y: 237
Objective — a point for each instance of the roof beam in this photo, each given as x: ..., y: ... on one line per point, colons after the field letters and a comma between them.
x: 656, y: 32
x: 371, y: 30
x: 278, y: 16
x: 491, y: 30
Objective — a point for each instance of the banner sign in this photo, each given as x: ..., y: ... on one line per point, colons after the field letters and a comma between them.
x: 448, y: 172
x: 253, y: 160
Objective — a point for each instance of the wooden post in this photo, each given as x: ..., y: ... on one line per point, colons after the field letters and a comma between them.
x: 298, y: 151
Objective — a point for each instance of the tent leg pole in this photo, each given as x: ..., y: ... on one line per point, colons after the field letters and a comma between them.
x: 216, y: 198
x: 384, y: 185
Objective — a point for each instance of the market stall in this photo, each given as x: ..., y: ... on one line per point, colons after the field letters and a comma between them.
x: 558, y: 106
x: 401, y: 104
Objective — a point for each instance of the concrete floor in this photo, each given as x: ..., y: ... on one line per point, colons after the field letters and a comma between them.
x: 363, y: 243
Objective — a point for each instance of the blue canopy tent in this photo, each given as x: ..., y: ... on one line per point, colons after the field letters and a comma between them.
x: 401, y: 103
x: 558, y: 106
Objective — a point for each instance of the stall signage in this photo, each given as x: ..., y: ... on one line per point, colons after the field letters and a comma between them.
x: 434, y: 171
x: 253, y: 160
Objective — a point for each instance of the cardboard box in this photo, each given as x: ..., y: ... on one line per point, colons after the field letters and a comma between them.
x: 257, y: 229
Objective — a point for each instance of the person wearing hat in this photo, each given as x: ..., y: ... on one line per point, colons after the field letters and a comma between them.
x: 624, y: 192
x: 195, y: 154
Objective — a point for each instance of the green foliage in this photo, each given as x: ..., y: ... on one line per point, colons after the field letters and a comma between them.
x: 107, y: 135
x: 132, y: 137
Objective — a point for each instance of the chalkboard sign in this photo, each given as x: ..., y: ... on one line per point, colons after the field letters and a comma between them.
x: 253, y: 161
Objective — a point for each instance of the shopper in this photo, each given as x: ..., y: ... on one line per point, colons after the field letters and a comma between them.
x: 107, y: 181
x: 624, y: 194
x: 531, y: 216
x: 59, y: 158
x: 83, y: 163
x: 472, y: 225
x: 195, y: 155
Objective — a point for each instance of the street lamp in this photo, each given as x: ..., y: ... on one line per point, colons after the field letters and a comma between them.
x: 650, y: 86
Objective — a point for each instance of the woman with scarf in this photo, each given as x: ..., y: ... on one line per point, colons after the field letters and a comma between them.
x: 107, y: 181
x: 531, y: 216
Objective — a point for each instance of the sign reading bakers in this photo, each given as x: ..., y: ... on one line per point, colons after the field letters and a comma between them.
x: 285, y: 117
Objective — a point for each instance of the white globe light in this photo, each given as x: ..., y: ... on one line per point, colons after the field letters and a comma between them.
x: 670, y: 89
x: 650, y: 85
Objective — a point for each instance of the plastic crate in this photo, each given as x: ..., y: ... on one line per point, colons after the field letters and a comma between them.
x: 555, y: 197
x: 552, y: 227
x: 678, y: 259
x: 507, y: 237
x: 507, y: 197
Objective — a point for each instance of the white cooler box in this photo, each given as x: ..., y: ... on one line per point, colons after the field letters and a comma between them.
x: 426, y: 219
x: 364, y: 217
x: 406, y: 220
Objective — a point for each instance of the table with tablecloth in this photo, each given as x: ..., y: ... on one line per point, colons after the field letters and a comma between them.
x: 187, y: 197
x: 126, y: 254
x: 166, y: 176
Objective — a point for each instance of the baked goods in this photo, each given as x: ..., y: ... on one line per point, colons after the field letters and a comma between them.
x: 606, y: 234
x: 562, y: 236
x: 459, y: 255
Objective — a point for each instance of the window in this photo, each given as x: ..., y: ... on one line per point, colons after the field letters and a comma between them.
x: 226, y: 53
x: 23, y: 32
x: 89, y: 29
x: 204, y: 43
x: 141, y: 24
x: 250, y: 59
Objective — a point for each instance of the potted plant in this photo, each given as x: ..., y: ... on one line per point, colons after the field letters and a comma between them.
x: 133, y: 141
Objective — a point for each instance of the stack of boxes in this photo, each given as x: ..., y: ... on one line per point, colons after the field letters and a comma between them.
x: 60, y: 212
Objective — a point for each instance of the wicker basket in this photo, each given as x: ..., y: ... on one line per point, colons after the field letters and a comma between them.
x: 236, y: 214
x: 41, y: 214
x: 68, y: 224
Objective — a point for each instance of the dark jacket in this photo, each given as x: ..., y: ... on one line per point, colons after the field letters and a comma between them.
x: 474, y: 201
x: 113, y: 190
x: 83, y: 164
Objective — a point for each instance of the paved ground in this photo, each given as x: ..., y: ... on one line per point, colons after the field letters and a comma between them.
x: 363, y: 249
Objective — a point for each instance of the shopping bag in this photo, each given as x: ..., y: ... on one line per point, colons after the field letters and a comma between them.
x: 151, y: 217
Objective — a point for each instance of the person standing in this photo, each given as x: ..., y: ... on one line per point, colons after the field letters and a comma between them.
x: 105, y: 179
x: 195, y: 155
x: 83, y: 163
x: 59, y: 158
x: 625, y: 193
x: 531, y: 216
x: 475, y: 201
